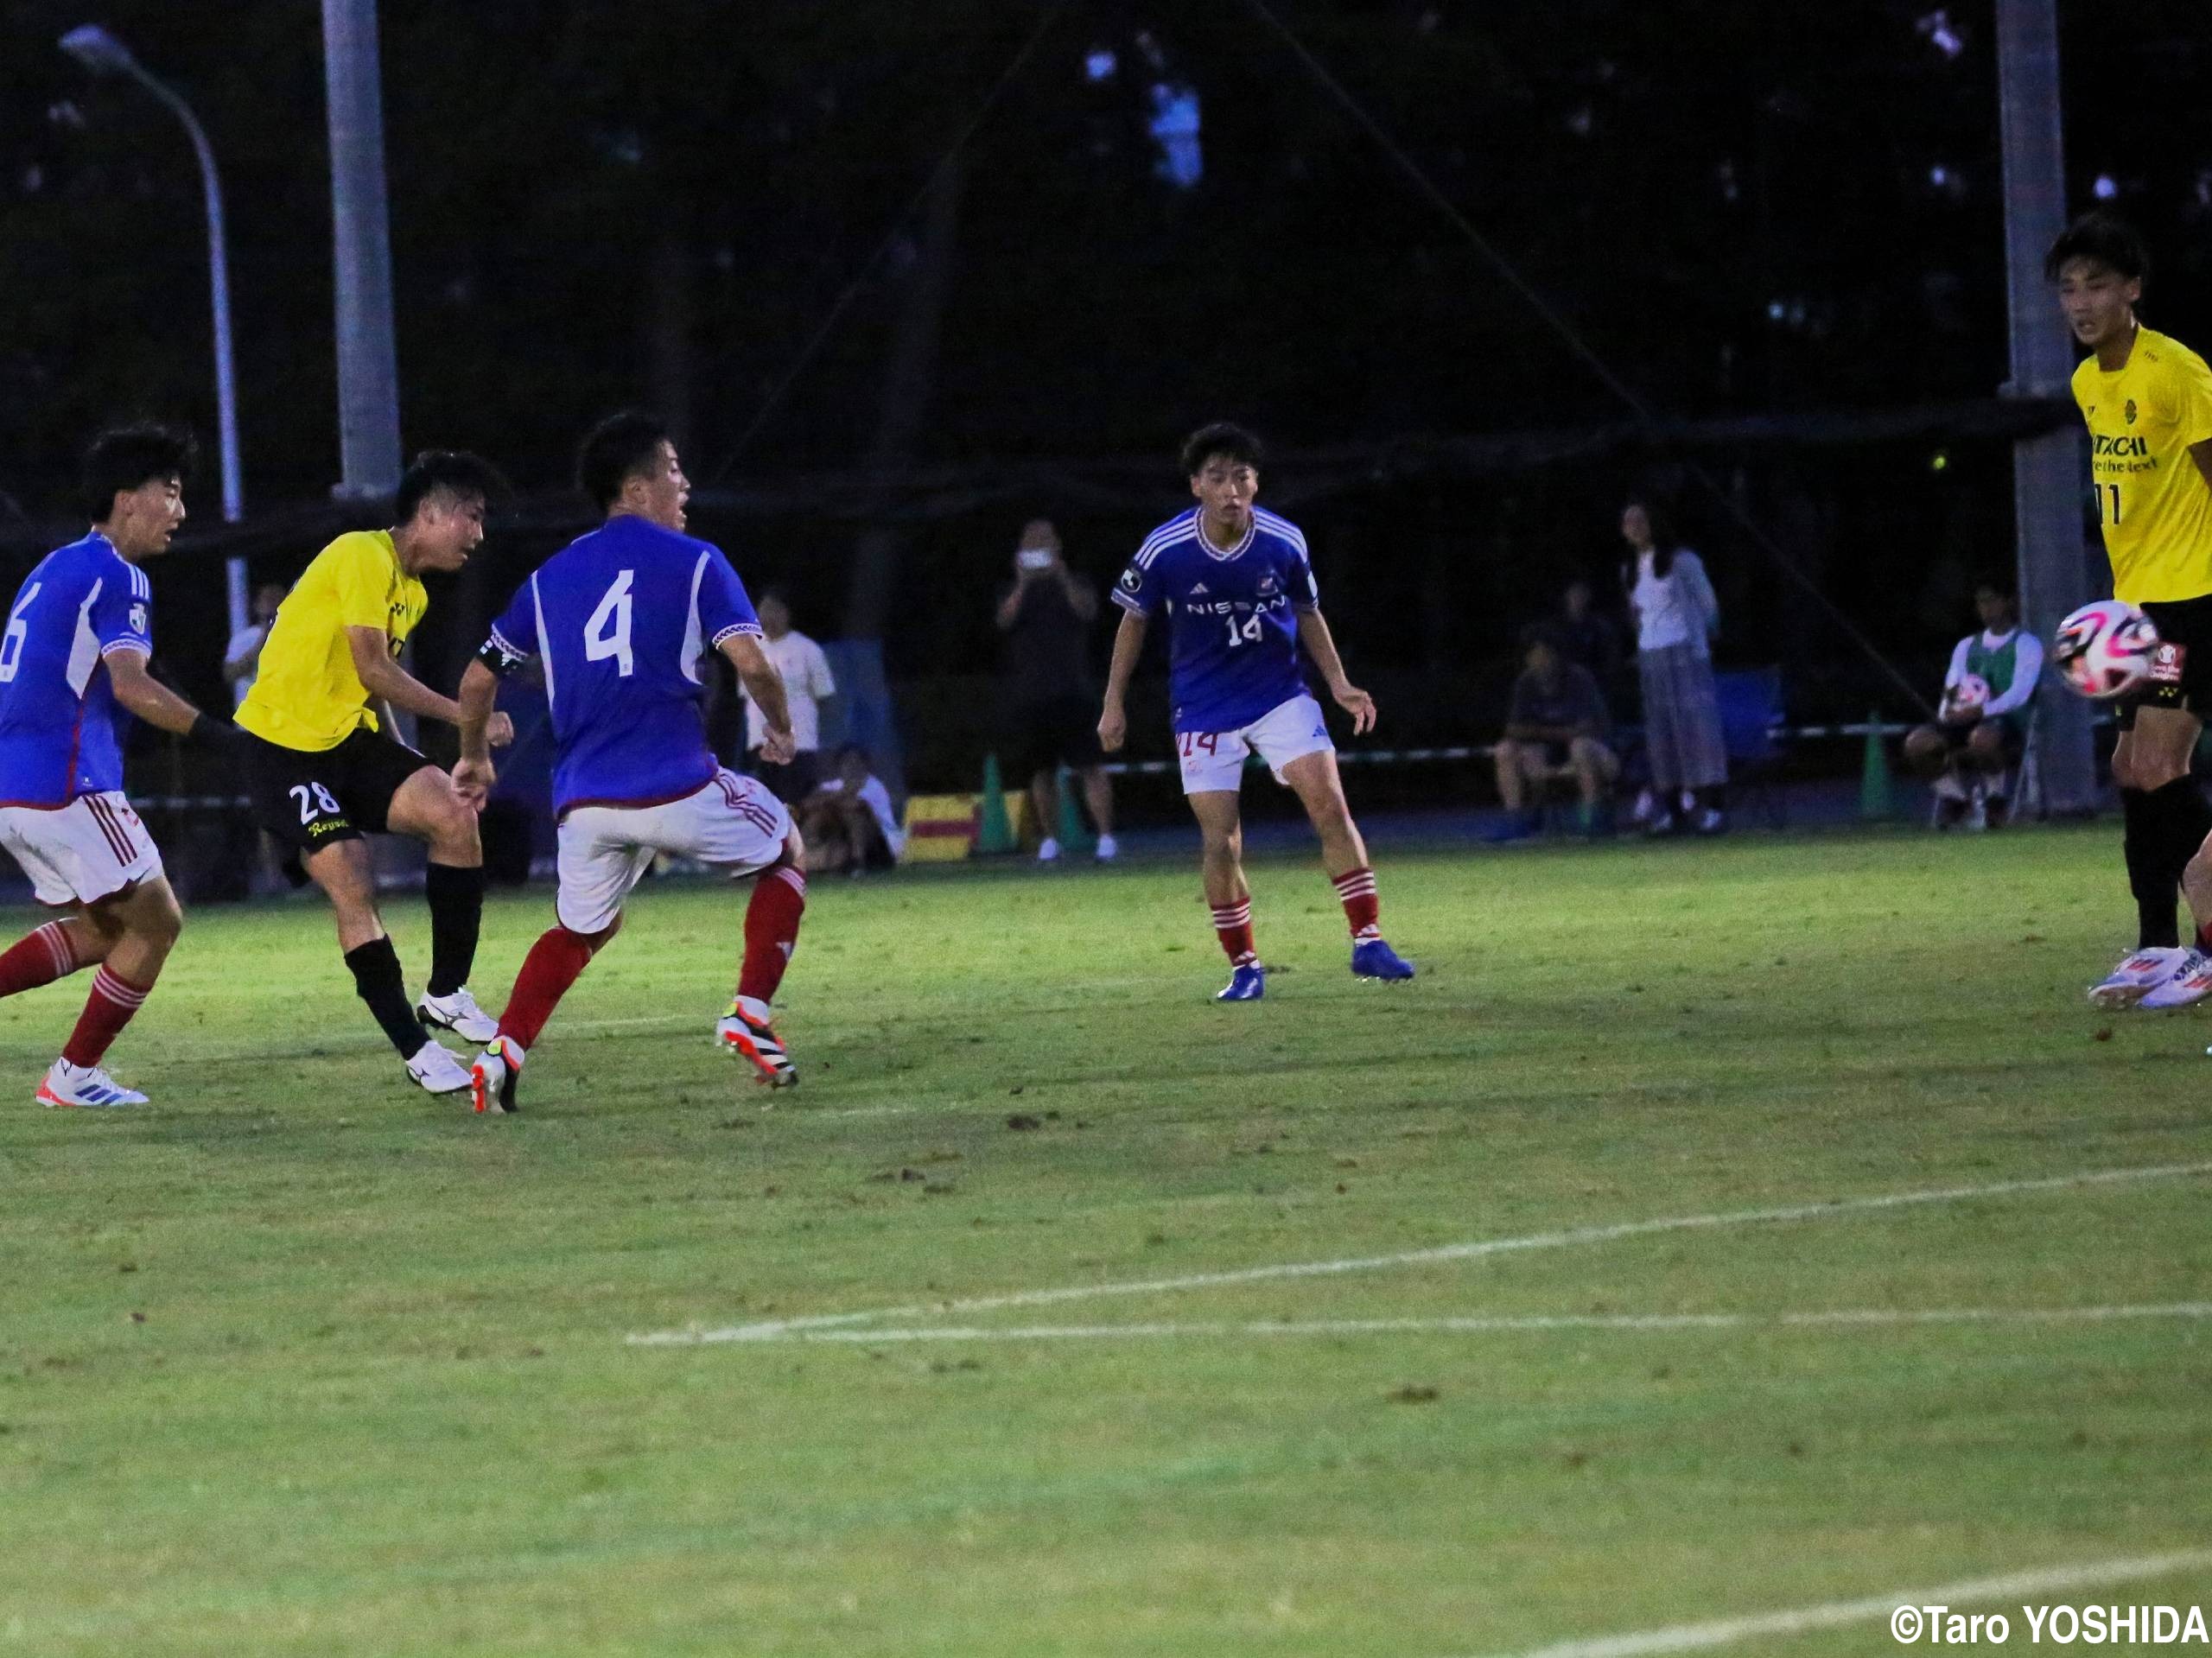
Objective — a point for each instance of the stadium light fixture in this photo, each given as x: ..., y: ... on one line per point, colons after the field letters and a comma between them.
x: 102, y: 54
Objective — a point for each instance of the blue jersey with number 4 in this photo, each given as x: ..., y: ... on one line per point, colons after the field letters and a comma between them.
x: 620, y: 620
x: 1232, y: 633
x: 61, y: 727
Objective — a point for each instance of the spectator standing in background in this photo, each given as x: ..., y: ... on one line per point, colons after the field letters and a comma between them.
x: 1587, y: 638
x: 1046, y: 616
x: 1676, y: 619
x: 242, y: 658
x: 807, y: 685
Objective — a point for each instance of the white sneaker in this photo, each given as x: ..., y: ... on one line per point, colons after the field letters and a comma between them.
x: 437, y: 1070
x: 460, y: 1014
x: 492, y: 1078
x: 1108, y: 849
x: 2136, y: 975
x: 69, y: 1086
x: 1050, y: 852
x: 2191, y: 983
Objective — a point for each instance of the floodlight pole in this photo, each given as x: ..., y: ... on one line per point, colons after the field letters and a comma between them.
x: 103, y: 54
x: 2047, y: 471
x: 368, y: 363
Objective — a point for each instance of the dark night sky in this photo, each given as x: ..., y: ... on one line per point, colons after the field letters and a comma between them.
x: 1745, y: 208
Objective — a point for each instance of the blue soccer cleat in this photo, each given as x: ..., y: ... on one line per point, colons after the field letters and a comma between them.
x: 1373, y: 959
x: 1247, y: 984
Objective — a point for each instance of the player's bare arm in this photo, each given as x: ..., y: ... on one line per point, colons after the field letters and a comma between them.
x: 1313, y: 631
x: 147, y: 697
x: 385, y: 681
x: 765, y: 687
x: 1129, y: 645
x: 473, y: 774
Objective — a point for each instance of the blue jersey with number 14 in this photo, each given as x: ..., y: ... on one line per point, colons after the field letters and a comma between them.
x: 621, y: 619
x: 1233, y: 634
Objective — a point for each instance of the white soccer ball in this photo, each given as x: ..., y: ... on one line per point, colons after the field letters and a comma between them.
x: 2105, y: 649
x: 1970, y: 694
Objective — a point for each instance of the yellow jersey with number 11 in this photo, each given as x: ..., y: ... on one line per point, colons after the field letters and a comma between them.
x: 2152, y: 500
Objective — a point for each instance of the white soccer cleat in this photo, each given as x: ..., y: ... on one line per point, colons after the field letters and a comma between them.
x: 492, y: 1078
x: 2191, y: 983
x: 438, y: 1071
x: 1108, y: 849
x: 460, y: 1014
x: 1050, y: 852
x: 2138, y: 976
x: 72, y: 1087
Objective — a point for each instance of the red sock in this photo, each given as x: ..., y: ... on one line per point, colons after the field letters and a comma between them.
x: 2203, y: 942
x: 38, y: 958
x: 771, y: 930
x: 553, y: 964
x: 1232, y: 924
x: 1362, y: 908
x: 107, y: 1010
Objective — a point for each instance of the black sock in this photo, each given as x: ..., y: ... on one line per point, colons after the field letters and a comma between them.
x: 456, y: 899
x: 376, y: 976
x: 2184, y: 820
x: 2153, y: 888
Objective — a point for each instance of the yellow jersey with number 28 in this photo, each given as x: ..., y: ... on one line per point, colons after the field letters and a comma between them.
x: 2154, y: 502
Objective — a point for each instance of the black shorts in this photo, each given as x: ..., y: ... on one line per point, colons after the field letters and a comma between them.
x: 1061, y: 731
x: 311, y: 800
x: 2180, y: 669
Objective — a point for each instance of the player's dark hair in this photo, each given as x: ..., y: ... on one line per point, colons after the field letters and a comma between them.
x: 1230, y: 441
x: 618, y: 449
x: 2105, y: 238
x: 124, y: 457
x: 448, y: 471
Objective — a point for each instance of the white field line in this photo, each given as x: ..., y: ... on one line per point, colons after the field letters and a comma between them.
x: 1450, y: 1252
x: 1691, y: 1637
x: 1500, y: 1323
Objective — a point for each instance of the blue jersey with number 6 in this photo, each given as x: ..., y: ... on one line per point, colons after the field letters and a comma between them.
x: 1233, y: 637
x: 620, y: 620
x: 60, y: 724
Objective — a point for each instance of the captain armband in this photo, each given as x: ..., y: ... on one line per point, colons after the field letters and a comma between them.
x: 501, y: 657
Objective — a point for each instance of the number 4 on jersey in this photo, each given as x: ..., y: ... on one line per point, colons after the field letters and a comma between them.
x: 608, y: 633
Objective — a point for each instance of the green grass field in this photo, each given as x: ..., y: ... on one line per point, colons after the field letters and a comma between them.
x: 300, y: 1362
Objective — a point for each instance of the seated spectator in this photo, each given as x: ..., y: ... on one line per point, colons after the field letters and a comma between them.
x: 1587, y: 638
x: 1982, y: 724
x: 847, y: 822
x: 1555, y: 730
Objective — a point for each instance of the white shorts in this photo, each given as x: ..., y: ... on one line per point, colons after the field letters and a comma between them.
x: 88, y: 849
x: 733, y: 823
x: 1214, y: 760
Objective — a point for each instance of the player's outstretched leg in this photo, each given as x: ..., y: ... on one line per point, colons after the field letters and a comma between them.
x: 428, y: 807
x: 344, y: 872
x: 138, y: 930
x: 770, y: 935
x: 556, y: 961
x: 53, y: 952
x: 1222, y: 832
x: 1344, y: 854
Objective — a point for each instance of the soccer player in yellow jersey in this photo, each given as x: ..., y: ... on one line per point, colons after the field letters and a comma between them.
x: 2147, y: 399
x: 326, y: 767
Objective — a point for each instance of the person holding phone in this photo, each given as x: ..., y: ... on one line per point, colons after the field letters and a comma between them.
x: 1046, y: 616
